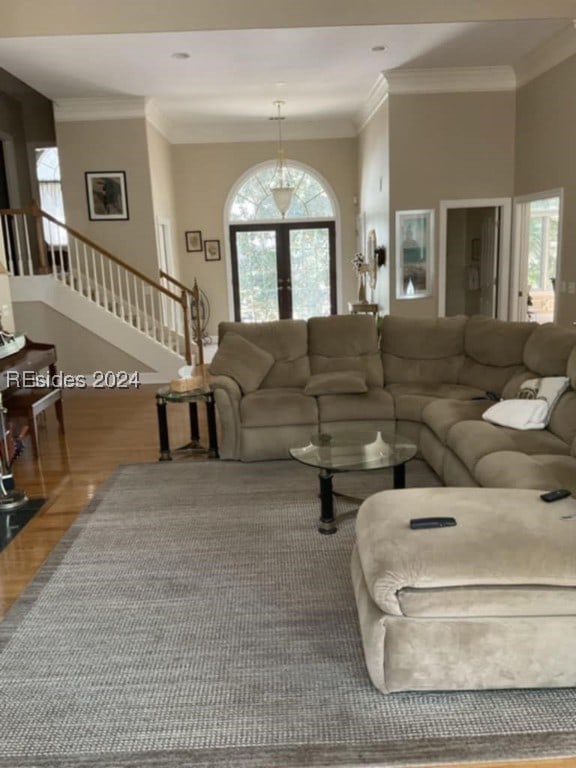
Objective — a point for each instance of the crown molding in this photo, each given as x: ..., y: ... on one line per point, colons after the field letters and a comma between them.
x: 99, y: 108
x: 451, y: 80
x: 158, y: 119
x: 561, y: 47
x: 377, y: 96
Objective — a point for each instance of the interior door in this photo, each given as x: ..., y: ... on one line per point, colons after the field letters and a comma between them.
x: 285, y: 270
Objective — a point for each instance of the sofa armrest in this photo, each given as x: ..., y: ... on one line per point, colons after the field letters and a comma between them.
x: 227, y: 396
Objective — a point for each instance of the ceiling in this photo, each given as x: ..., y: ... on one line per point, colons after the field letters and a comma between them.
x: 226, y: 80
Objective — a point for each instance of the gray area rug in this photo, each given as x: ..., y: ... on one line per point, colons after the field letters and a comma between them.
x: 193, y: 616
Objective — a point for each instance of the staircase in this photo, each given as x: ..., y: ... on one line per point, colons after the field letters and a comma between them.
x: 49, y: 261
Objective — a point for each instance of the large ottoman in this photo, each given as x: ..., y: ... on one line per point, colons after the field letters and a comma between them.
x: 488, y: 603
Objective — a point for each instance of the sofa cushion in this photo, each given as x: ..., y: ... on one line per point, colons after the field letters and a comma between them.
x: 336, y: 383
x: 286, y: 341
x: 411, y: 399
x: 422, y: 349
x: 512, y: 469
x: 242, y: 360
x: 345, y: 343
x: 470, y: 440
x: 548, y: 349
x: 504, y: 540
x: 277, y: 408
x: 571, y: 368
x: 441, y: 415
x: 424, y: 338
x: 497, y: 343
x: 375, y: 405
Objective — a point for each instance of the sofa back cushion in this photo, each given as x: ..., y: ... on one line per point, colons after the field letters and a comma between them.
x: 563, y: 419
x: 427, y: 349
x: 286, y: 341
x: 571, y: 368
x: 345, y: 343
x: 494, y: 352
x: 548, y: 349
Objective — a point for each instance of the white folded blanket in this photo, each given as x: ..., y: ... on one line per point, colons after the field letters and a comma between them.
x: 533, y: 407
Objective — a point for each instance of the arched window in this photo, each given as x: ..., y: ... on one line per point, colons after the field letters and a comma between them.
x: 253, y: 200
x: 282, y: 267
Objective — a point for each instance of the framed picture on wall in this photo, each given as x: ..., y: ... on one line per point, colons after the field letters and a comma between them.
x: 211, y: 250
x: 193, y: 240
x: 106, y: 194
x: 414, y: 254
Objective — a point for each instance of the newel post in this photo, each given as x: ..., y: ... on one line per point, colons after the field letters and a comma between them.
x: 44, y: 268
x: 186, y: 312
x: 198, y: 322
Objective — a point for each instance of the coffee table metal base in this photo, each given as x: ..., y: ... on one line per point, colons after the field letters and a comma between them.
x: 328, y: 520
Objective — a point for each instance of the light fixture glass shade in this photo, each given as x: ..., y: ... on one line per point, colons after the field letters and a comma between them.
x: 281, y: 185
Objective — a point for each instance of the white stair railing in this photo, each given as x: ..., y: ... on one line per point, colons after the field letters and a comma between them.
x: 37, y: 243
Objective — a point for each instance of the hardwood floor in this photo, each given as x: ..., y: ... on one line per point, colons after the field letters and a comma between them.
x: 104, y: 428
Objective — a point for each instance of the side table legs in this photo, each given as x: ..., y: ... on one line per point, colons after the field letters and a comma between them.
x: 165, y: 454
x: 212, y: 434
x: 163, y: 434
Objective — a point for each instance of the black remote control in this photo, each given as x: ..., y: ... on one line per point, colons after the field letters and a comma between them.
x: 559, y: 493
x: 431, y: 522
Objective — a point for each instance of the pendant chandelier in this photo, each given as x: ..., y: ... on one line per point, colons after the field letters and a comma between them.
x: 282, y: 187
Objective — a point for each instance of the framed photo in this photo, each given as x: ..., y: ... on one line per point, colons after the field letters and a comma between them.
x: 211, y: 250
x: 193, y: 241
x: 414, y: 254
x: 106, y: 193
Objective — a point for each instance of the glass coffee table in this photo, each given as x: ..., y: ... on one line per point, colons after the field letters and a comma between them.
x: 352, y: 451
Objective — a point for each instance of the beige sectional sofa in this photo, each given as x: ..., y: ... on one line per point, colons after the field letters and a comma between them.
x: 276, y: 383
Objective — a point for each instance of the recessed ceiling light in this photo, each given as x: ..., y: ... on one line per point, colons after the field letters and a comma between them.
x: 377, y: 48
x: 180, y: 55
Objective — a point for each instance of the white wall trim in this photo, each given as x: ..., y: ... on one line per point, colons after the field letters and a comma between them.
x: 377, y: 96
x: 504, y: 267
x: 76, y: 110
x: 451, y: 80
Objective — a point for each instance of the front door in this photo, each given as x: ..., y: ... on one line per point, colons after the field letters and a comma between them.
x: 284, y: 270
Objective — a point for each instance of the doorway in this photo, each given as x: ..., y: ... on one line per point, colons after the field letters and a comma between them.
x: 538, y: 229
x: 474, y: 263
x: 283, y: 270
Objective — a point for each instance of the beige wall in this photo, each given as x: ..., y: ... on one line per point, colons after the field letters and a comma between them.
x: 374, y: 199
x: 111, y: 145
x: 25, y: 117
x: 546, y: 159
x: 78, y: 350
x: 204, y: 175
x: 160, y: 160
x: 447, y: 147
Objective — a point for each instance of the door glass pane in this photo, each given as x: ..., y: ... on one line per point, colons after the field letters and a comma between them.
x: 257, y: 276
x: 543, y: 217
x: 310, y: 272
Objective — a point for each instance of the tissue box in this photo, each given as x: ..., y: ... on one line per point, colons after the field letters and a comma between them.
x: 184, y: 385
